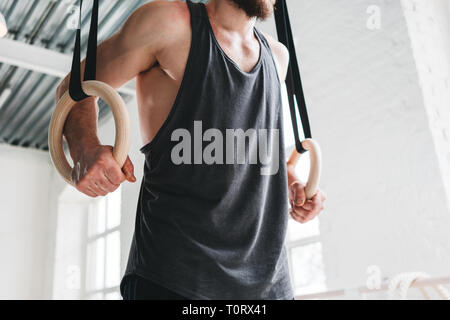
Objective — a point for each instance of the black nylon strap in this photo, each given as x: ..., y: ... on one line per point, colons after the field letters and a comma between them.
x: 75, y: 89
x: 293, y: 79
x: 91, y: 58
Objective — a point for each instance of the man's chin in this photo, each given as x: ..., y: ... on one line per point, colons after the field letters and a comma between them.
x: 267, y: 14
x: 260, y: 9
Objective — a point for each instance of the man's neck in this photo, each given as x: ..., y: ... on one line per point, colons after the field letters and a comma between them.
x: 227, y: 15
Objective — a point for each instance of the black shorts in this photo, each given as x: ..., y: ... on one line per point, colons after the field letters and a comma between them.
x: 137, y: 288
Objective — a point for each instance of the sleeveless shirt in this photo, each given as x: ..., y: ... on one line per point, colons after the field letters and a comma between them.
x: 213, y: 206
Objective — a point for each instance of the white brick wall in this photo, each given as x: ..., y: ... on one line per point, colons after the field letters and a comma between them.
x: 387, y: 201
x: 429, y: 30
x: 24, y: 221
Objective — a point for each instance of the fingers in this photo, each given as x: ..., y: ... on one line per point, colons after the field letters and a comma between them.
x: 297, y: 199
x: 309, y: 205
x: 89, y: 192
x: 317, y: 202
x: 309, y: 210
x: 103, y: 180
x: 76, y: 173
x: 300, y: 211
x: 95, y: 186
x: 302, y: 216
x: 128, y: 170
x: 104, y: 176
x: 298, y: 218
x: 297, y: 193
x: 92, y: 185
x: 114, y: 175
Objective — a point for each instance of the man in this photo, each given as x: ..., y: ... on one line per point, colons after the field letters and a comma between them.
x: 213, y: 209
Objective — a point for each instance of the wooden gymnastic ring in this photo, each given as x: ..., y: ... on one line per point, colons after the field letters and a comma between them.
x: 63, y: 108
x: 312, y: 186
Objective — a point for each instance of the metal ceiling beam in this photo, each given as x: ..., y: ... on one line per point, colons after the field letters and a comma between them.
x: 43, y: 60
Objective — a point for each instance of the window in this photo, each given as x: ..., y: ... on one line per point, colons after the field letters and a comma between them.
x: 87, y: 253
x: 305, y: 257
x: 303, y: 241
x: 103, y: 248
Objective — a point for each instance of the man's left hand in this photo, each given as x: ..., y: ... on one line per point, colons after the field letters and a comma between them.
x: 303, y: 210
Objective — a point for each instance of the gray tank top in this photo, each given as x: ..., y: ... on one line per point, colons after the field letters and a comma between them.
x: 213, y: 207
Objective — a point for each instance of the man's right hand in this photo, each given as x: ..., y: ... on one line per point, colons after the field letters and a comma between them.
x: 96, y: 172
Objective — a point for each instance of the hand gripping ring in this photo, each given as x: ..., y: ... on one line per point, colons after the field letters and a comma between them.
x: 313, y: 147
x: 63, y: 108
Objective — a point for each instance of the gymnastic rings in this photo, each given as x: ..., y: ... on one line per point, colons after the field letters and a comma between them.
x: 63, y: 108
x: 315, y: 154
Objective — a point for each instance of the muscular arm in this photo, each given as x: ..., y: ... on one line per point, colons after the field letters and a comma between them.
x: 132, y: 50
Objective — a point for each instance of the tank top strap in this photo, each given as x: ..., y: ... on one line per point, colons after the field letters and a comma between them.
x: 261, y: 37
x: 197, y: 10
x: 199, y: 26
x: 266, y: 51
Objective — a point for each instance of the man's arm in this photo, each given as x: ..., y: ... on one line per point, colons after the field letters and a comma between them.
x: 132, y: 50
x: 302, y: 210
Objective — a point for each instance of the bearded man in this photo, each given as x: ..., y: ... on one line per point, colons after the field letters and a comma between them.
x: 208, y: 225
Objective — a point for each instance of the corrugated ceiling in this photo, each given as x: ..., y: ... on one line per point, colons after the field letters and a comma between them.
x: 25, y: 114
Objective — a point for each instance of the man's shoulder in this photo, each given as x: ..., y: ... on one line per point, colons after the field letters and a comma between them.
x: 281, y: 54
x: 162, y: 16
x: 277, y: 47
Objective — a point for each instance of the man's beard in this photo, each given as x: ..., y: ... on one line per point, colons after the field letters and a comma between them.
x: 260, y: 9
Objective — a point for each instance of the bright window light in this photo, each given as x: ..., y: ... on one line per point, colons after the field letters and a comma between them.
x: 3, y: 27
x: 4, y: 96
x: 309, y: 276
x: 88, y: 253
